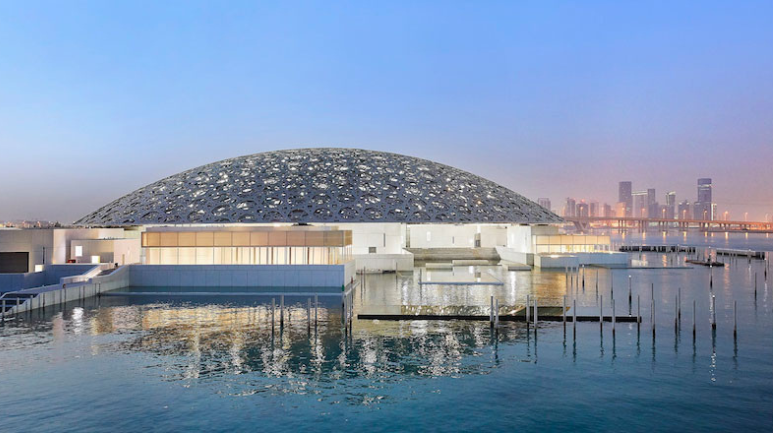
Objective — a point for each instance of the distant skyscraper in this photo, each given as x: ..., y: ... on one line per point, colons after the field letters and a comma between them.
x: 652, y: 204
x: 583, y: 210
x: 685, y: 213
x: 570, y: 209
x: 625, y: 192
x: 640, y: 204
x: 593, y: 209
x: 544, y: 202
x: 671, y: 205
x: 606, y: 211
x: 703, y: 206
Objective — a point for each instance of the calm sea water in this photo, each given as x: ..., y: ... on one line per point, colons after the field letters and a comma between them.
x: 173, y: 363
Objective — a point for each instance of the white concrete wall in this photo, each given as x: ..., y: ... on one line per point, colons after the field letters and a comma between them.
x: 50, y: 246
x: 121, y: 251
x: 519, y: 239
x: 384, y: 262
x: 33, y: 241
x: 515, y: 256
x: 241, y: 275
x: 387, y: 238
x: 59, y: 293
x: 457, y: 235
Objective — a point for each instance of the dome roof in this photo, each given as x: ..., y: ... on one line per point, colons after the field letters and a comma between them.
x: 320, y: 185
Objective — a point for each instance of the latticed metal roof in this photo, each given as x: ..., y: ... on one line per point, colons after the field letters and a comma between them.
x: 320, y: 185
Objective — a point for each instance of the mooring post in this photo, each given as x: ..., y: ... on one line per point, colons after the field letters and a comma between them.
x: 308, y: 313
x: 528, y: 300
x: 652, y: 313
x: 638, y: 311
x: 601, y: 310
x: 564, y: 310
x: 676, y: 312
x: 535, y: 313
x: 496, y: 312
x: 693, y: 320
x: 281, y: 310
x: 491, y: 312
x: 735, y: 319
x: 679, y: 303
x: 614, y: 319
x: 755, y: 285
x: 316, y: 309
x: 574, y: 313
x: 583, y: 277
x: 713, y: 312
x: 597, y: 281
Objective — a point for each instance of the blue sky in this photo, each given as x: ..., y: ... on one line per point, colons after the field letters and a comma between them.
x: 551, y: 99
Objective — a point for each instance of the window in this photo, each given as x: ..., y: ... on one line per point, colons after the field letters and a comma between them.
x: 78, y: 251
x: 371, y: 250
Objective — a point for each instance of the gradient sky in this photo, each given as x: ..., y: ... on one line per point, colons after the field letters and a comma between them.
x: 550, y: 99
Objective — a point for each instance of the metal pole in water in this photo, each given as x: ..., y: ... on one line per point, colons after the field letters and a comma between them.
x: 316, y: 308
x: 713, y: 312
x: 574, y: 312
x: 735, y: 319
x: 528, y: 299
x: 652, y: 314
x: 491, y: 312
x: 638, y: 311
x: 676, y: 312
x: 601, y: 310
x: 564, y: 310
x: 629, y: 292
x: 308, y: 313
x: 755, y: 285
x: 273, y: 310
x: 535, y: 313
x: 613, y: 315
x: 679, y: 303
x: 282, y: 310
x: 693, y: 319
x: 496, y: 312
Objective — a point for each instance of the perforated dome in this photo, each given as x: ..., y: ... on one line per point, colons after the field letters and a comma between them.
x: 320, y: 185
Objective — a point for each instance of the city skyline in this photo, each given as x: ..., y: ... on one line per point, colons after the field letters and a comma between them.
x: 644, y: 202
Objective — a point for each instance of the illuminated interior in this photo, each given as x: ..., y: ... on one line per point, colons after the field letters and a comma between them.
x: 247, y: 247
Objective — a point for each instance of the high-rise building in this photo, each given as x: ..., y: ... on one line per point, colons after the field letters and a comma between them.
x: 583, y: 210
x: 544, y: 202
x: 570, y: 209
x: 653, y: 210
x: 640, y: 204
x: 685, y: 213
x: 703, y: 206
x: 606, y: 211
x: 593, y: 209
x: 671, y: 205
x: 625, y: 191
x: 620, y: 210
